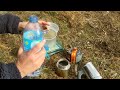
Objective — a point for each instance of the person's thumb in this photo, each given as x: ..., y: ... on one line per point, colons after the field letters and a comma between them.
x: 20, y: 51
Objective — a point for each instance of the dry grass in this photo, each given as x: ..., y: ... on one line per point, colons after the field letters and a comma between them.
x: 97, y: 34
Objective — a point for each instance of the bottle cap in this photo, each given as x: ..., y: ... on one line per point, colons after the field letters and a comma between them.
x: 33, y: 19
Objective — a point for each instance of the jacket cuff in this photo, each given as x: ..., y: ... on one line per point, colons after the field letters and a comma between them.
x: 13, y: 71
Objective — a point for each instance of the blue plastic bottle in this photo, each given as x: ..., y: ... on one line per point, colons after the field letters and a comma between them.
x: 32, y: 35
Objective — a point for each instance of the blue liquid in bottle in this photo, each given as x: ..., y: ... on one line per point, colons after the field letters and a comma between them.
x: 32, y: 35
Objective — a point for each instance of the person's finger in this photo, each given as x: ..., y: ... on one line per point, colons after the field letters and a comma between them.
x: 41, y: 53
x: 20, y: 51
x: 36, y: 48
x: 43, y: 22
x: 40, y: 60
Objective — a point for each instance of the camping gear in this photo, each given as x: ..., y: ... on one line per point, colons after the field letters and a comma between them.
x: 89, y: 71
x: 63, y: 66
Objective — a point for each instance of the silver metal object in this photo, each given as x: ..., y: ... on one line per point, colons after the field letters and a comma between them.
x: 79, y: 57
x: 90, y: 71
x: 63, y: 66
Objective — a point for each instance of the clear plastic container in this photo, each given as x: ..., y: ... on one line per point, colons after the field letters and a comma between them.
x: 51, y: 34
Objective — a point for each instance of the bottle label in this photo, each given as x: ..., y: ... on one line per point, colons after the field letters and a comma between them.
x: 31, y: 38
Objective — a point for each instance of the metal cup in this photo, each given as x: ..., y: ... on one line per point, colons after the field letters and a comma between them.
x: 90, y: 71
x: 63, y: 67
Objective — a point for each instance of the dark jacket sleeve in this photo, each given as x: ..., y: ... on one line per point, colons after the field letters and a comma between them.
x: 9, y: 24
x: 9, y: 71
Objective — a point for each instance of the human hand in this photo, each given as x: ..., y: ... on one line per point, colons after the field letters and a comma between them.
x: 22, y: 25
x: 30, y: 61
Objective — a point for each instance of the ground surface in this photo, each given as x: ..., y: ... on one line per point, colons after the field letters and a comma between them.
x: 96, y: 34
